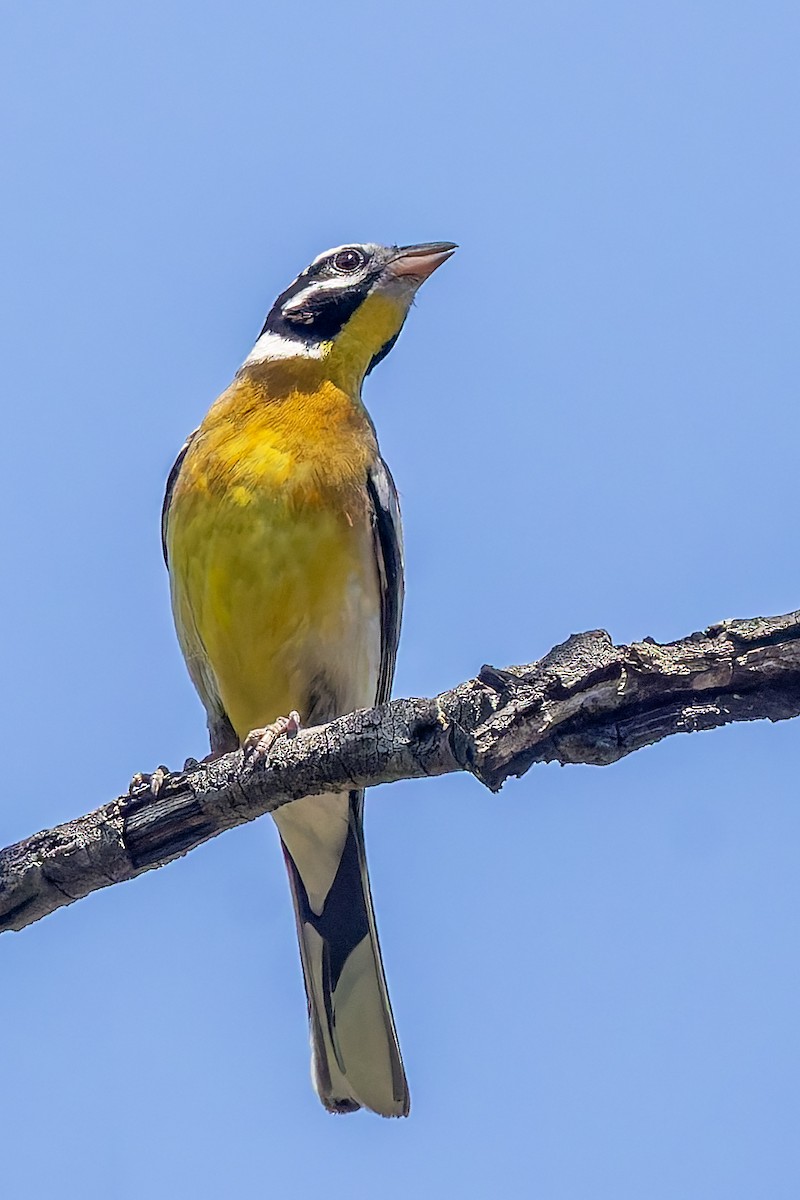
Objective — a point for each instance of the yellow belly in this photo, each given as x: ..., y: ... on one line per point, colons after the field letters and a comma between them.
x: 274, y: 581
x: 285, y: 605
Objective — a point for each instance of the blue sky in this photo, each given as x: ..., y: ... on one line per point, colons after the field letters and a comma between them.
x: 592, y: 418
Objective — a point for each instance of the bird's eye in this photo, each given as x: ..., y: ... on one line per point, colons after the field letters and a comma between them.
x: 348, y: 260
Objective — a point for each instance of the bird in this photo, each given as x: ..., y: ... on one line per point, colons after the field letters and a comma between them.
x: 282, y: 537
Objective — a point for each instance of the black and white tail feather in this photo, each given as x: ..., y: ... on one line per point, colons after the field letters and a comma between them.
x: 355, y: 1056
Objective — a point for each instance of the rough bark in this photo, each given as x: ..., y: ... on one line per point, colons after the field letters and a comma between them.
x: 587, y: 701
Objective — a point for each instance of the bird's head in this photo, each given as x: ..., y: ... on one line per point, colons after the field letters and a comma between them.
x: 348, y: 307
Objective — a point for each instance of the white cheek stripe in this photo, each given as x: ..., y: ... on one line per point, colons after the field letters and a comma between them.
x: 272, y: 345
x: 324, y: 285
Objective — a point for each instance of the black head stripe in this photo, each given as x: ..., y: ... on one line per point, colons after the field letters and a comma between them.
x: 320, y: 315
x: 321, y: 312
x: 325, y: 312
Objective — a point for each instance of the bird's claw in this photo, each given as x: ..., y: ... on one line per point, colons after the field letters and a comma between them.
x: 259, y: 742
x: 144, y: 786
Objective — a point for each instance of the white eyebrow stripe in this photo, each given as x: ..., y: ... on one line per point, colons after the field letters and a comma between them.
x: 318, y: 259
x: 327, y: 253
x: 272, y: 346
x: 364, y: 247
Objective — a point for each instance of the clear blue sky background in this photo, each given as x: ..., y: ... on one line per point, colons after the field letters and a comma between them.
x: 593, y: 420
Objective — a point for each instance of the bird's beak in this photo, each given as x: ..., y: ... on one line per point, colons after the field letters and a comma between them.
x: 420, y: 261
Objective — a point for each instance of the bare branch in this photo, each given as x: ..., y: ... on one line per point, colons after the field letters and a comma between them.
x: 587, y: 701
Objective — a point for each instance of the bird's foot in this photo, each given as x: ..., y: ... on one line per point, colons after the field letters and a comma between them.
x: 144, y: 786
x: 151, y: 786
x: 259, y: 742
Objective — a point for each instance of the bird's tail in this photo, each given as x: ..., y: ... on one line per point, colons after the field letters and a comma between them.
x: 355, y: 1055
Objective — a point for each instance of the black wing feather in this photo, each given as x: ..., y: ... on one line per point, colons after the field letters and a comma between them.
x: 220, y: 730
x: 388, y: 537
x: 172, y: 479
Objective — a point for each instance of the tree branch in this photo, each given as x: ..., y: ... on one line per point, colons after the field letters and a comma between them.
x: 587, y: 701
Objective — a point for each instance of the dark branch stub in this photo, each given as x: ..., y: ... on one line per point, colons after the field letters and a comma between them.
x: 586, y: 701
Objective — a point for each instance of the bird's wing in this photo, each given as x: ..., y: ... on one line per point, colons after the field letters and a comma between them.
x: 220, y: 729
x: 172, y: 479
x: 388, y: 540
